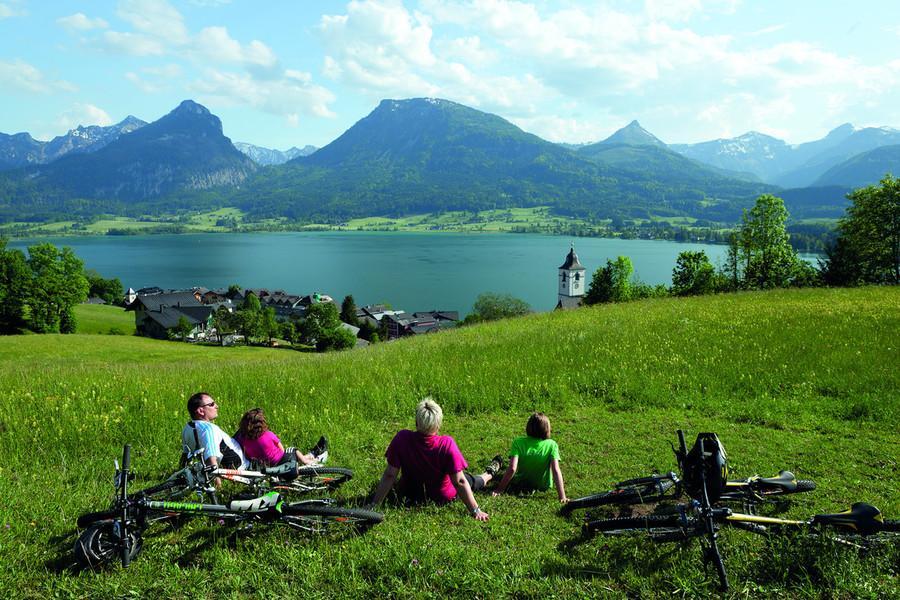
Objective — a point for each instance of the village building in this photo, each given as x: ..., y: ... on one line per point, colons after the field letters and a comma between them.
x: 571, y: 282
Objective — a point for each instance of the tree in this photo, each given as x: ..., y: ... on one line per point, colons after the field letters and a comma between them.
x: 322, y: 328
x: 693, y: 274
x: 348, y: 311
x: 248, y: 318
x: 491, y: 307
x: 268, y: 325
x: 223, y: 321
x: 611, y: 283
x: 58, y: 284
x: 764, y: 249
x: 110, y: 290
x: 183, y: 328
x: 867, y: 249
x: 15, y: 280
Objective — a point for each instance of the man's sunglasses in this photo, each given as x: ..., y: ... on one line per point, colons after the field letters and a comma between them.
x: 213, y: 403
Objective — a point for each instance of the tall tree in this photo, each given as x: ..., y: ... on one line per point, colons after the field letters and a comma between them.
x: 348, y: 311
x: 183, y: 328
x: 693, y: 274
x: 58, y: 284
x: 15, y: 280
x: 110, y: 290
x: 611, y: 283
x: 867, y: 249
x: 768, y: 259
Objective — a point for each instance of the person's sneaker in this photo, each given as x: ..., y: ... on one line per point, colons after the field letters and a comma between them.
x: 320, y: 450
x: 495, y: 466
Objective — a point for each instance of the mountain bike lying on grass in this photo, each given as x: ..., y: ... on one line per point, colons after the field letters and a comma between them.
x: 288, y: 478
x: 646, y: 490
x: 118, y: 531
x: 705, y: 469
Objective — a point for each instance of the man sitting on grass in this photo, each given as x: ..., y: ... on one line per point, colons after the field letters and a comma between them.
x: 219, y: 448
x: 432, y: 466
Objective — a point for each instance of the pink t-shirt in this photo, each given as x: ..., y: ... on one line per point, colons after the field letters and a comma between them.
x: 264, y: 448
x: 426, y: 461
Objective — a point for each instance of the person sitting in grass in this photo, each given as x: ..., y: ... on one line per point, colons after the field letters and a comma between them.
x: 534, y: 460
x: 261, y: 444
x: 431, y: 465
x: 219, y: 448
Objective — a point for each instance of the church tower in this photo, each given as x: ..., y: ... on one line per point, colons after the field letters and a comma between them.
x: 571, y: 282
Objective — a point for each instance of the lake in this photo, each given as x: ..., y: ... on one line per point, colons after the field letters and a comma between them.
x: 411, y: 271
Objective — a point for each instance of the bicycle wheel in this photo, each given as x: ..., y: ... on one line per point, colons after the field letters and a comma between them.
x: 321, y: 517
x: 891, y: 526
x: 99, y: 544
x: 315, y: 479
x: 661, y: 526
x: 635, y: 491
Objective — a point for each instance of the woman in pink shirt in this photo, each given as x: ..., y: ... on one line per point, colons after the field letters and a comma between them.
x: 432, y: 466
x: 259, y: 443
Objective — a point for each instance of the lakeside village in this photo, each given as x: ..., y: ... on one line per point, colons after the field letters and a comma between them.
x: 199, y: 314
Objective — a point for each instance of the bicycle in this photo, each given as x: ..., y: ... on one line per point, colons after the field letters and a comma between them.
x: 118, y: 531
x: 287, y: 478
x: 668, y: 486
x: 858, y: 527
x: 705, y: 470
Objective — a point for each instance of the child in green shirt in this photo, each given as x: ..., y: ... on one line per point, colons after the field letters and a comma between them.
x: 534, y: 460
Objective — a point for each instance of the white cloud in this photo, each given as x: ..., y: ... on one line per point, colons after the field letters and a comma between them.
x: 24, y: 77
x: 135, y: 44
x: 213, y: 3
x: 155, y: 18
x: 283, y: 96
x: 81, y: 22
x: 215, y: 45
x: 7, y: 11
x: 83, y: 114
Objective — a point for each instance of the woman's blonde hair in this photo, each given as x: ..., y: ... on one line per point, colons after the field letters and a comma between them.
x: 429, y: 416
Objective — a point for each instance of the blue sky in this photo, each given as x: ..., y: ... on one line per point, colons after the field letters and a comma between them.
x: 284, y: 73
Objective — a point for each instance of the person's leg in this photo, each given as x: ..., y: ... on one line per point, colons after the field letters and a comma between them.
x: 477, y: 482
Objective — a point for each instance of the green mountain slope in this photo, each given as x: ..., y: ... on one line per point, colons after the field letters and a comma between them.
x: 184, y: 150
x: 863, y: 169
x: 426, y: 155
x: 798, y: 379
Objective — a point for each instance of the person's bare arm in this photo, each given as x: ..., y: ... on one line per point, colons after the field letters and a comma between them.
x: 556, y: 471
x: 508, y: 475
x: 388, y: 478
x: 468, y: 498
x: 213, y: 462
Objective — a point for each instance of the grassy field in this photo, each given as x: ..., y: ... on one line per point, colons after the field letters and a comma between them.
x: 804, y: 380
x: 103, y: 319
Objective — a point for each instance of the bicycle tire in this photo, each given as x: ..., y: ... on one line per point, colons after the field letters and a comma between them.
x: 323, y: 517
x: 88, y: 519
x: 654, y: 525
x: 99, y: 545
x: 650, y: 491
x: 891, y: 526
x: 314, y: 479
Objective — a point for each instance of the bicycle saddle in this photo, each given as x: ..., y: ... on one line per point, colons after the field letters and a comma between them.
x: 861, y: 517
x: 785, y: 481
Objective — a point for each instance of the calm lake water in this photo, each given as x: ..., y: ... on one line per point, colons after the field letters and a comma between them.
x: 410, y: 271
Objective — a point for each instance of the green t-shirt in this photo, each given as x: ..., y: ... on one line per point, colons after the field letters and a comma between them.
x: 534, y: 462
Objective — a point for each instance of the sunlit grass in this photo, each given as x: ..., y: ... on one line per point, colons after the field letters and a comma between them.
x: 804, y: 380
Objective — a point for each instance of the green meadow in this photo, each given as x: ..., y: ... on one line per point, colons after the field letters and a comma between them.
x: 104, y: 319
x: 806, y: 380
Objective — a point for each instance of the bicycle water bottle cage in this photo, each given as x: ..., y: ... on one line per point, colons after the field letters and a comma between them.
x: 711, y: 465
x: 861, y: 517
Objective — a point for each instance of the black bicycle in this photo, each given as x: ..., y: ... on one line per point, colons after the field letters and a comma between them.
x: 118, y: 531
x: 705, y: 469
x: 669, y: 486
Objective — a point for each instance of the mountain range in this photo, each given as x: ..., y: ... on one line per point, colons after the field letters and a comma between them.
x: 426, y: 155
x: 21, y: 150
x: 792, y: 166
